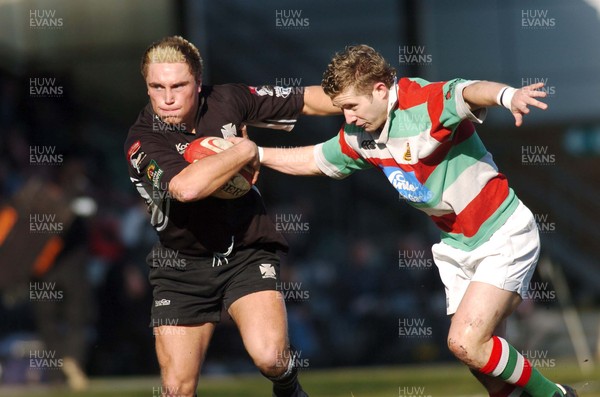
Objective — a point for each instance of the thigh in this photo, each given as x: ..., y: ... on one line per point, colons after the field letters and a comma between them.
x: 262, y: 321
x: 181, y: 351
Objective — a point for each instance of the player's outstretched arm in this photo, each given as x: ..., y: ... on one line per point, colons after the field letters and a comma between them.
x: 203, y: 177
x: 487, y: 93
x: 317, y: 103
x: 292, y: 161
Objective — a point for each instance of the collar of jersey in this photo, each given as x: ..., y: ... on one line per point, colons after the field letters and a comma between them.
x: 392, y: 105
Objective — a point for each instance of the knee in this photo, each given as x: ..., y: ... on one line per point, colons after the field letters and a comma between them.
x: 175, y: 385
x: 272, y: 361
x: 463, y: 346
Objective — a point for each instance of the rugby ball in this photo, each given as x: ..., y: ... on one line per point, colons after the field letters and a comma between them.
x: 239, y: 184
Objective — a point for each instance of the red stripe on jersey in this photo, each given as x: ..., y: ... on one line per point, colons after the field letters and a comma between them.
x: 525, y: 375
x: 347, y: 149
x: 494, y: 357
x: 427, y: 165
x: 411, y: 93
x: 477, y: 211
x: 435, y: 107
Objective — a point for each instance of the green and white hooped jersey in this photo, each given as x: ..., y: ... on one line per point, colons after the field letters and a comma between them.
x: 430, y: 152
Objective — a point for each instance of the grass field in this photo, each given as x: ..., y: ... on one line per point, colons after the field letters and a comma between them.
x: 405, y: 381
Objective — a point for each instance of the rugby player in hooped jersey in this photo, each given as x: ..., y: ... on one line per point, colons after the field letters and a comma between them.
x: 212, y: 253
x: 422, y: 137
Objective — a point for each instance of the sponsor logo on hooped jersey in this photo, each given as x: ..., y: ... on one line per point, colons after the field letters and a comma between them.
x: 407, y: 184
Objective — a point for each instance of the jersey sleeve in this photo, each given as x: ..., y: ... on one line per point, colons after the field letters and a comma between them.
x: 455, y: 109
x: 337, y: 159
x: 150, y: 158
x: 269, y: 106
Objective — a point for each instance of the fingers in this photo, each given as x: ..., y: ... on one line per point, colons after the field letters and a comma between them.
x: 244, y: 131
x: 530, y: 92
x: 518, y: 119
x: 525, y: 97
x: 255, y: 176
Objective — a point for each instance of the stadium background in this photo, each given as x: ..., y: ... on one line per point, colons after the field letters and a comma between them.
x: 361, y: 287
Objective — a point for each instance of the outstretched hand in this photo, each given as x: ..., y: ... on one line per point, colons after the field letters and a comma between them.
x: 524, y: 97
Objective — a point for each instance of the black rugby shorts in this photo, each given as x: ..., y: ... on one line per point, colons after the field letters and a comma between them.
x: 191, y: 290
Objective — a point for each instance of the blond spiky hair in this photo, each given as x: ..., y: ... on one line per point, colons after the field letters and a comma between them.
x: 173, y: 49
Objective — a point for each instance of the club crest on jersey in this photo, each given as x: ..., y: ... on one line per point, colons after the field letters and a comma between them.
x: 407, y: 155
x: 228, y: 130
x: 451, y: 88
x: 267, y: 270
x: 407, y: 184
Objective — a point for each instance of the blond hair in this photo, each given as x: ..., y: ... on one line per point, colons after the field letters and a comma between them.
x: 357, y: 67
x: 173, y: 49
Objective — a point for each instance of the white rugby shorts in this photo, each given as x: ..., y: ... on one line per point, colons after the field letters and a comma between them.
x: 507, y: 260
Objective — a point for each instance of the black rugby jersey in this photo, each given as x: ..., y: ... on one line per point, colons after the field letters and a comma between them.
x: 154, y: 152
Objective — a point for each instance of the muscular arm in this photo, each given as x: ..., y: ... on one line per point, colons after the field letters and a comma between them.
x: 203, y: 177
x: 317, y: 103
x: 484, y: 93
x: 292, y: 161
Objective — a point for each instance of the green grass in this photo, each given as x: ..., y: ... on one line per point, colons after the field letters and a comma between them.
x: 404, y: 381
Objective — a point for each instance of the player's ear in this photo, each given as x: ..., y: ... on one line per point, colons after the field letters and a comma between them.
x: 199, y: 84
x: 380, y: 90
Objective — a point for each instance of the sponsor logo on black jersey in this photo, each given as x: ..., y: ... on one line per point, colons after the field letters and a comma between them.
x: 262, y: 90
x: 181, y: 146
x: 154, y: 173
x: 136, y: 156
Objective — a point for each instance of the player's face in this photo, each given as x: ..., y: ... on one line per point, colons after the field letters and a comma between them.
x: 173, y: 92
x: 368, y: 111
